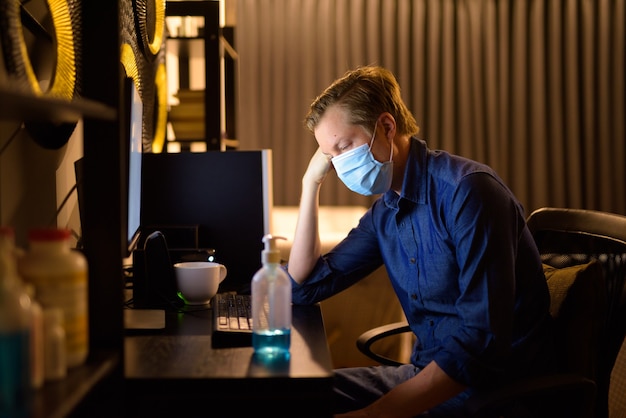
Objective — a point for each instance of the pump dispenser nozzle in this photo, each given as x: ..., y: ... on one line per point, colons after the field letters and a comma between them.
x: 271, y: 253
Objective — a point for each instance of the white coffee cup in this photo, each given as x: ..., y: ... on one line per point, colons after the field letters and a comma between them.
x: 198, y: 281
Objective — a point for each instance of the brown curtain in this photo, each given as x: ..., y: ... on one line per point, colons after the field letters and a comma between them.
x: 534, y: 88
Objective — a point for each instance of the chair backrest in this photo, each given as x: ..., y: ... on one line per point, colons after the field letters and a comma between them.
x: 568, y: 237
x: 578, y: 306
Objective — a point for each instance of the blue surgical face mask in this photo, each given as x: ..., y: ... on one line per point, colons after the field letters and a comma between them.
x: 361, y: 172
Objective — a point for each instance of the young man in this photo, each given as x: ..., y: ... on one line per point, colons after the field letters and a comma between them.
x: 453, y: 239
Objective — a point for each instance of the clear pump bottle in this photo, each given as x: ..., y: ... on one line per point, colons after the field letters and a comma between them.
x: 271, y: 304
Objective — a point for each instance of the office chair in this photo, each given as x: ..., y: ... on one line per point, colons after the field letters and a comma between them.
x: 617, y: 385
x: 584, y: 256
x: 571, y: 236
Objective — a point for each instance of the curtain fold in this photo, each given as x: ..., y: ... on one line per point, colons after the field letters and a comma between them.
x: 534, y: 88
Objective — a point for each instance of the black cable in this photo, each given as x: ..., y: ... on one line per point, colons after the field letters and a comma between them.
x: 11, y: 138
x: 62, y: 205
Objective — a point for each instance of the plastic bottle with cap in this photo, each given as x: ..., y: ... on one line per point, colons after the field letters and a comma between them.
x: 55, y: 352
x: 60, y: 277
x: 36, y: 338
x: 15, y: 320
x: 271, y: 305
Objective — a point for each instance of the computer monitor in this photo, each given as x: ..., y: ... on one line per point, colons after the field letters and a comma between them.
x: 133, y: 128
x: 226, y: 195
x: 130, y: 162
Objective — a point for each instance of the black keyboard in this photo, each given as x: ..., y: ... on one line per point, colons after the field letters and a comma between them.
x: 232, y: 320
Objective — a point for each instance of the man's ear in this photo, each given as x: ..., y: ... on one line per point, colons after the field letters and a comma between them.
x: 388, y: 122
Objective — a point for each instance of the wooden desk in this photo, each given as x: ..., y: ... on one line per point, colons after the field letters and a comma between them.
x: 175, y: 372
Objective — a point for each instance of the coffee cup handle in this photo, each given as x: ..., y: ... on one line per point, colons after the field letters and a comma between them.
x: 223, y: 272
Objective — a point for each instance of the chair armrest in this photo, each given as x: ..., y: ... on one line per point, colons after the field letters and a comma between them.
x: 365, y: 341
x: 564, y: 394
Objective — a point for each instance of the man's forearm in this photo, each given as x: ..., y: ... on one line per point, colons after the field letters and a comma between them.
x: 306, y: 247
x: 427, y: 389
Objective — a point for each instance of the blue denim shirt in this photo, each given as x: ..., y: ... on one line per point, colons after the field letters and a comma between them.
x: 463, y: 265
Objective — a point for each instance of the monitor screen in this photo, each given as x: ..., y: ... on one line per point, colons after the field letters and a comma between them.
x: 134, y: 130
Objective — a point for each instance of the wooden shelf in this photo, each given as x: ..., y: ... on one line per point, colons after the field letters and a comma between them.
x: 179, y: 46
x: 15, y: 105
x: 57, y: 399
x: 98, y: 106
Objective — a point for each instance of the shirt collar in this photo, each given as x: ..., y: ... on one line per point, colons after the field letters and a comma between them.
x: 415, y: 179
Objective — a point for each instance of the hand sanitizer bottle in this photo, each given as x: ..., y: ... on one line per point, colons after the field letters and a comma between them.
x: 271, y: 305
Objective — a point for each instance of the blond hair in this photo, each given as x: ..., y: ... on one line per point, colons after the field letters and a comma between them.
x: 366, y: 92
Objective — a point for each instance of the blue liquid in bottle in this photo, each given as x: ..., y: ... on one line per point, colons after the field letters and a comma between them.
x: 15, y: 388
x: 272, y: 343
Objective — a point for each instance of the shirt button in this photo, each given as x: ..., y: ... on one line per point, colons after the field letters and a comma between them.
x: 412, y: 260
x: 413, y: 296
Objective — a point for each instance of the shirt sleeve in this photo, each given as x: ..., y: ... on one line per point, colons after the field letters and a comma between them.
x: 351, y: 260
